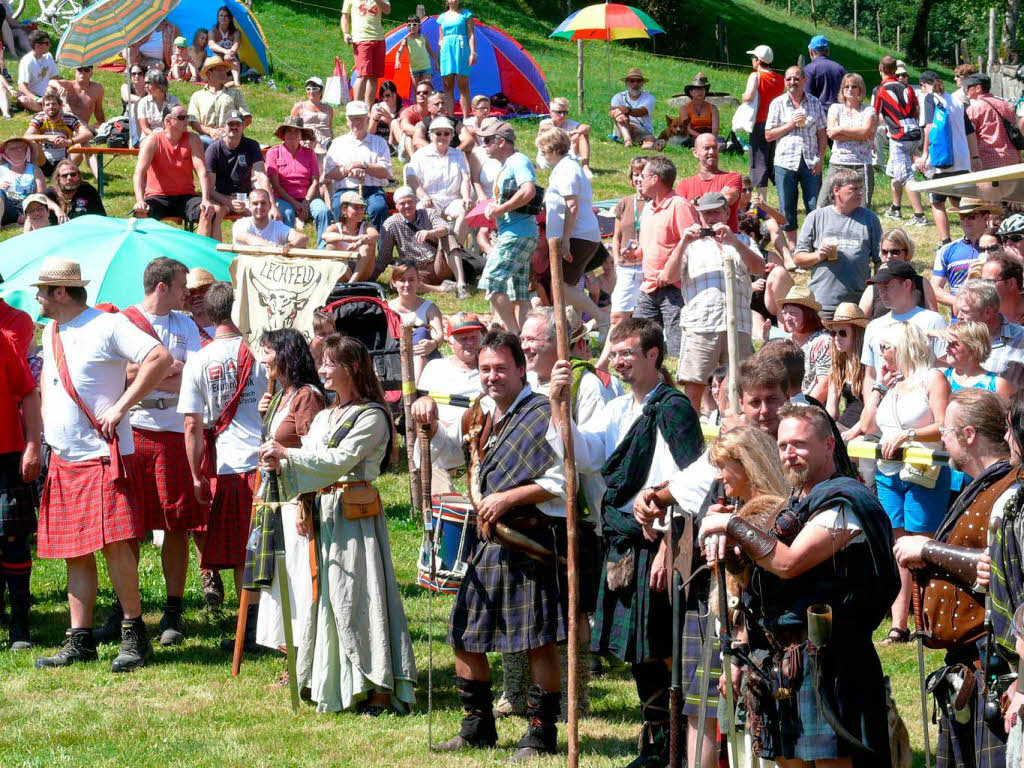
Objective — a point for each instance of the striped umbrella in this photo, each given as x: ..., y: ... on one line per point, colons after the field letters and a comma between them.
x: 607, y: 21
x: 103, y: 30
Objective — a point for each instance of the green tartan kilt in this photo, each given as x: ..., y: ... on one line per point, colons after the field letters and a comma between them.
x: 695, y: 680
x: 18, y: 500
x: 956, y: 744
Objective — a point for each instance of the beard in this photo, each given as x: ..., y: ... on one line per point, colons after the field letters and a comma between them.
x: 796, y: 475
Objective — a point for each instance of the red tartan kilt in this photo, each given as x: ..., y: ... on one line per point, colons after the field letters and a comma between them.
x: 166, y: 494
x: 228, y: 527
x: 84, y: 507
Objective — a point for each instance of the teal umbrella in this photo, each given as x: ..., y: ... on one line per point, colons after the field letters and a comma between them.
x: 113, y: 254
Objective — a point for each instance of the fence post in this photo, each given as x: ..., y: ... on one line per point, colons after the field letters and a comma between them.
x: 856, y: 8
x: 991, y: 40
x: 878, y: 26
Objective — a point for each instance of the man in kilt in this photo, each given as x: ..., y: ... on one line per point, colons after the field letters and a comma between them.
x: 90, y: 501
x: 221, y: 385
x: 165, y: 489
x: 832, y: 545
x: 508, y: 601
x: 20, y: 463
x: 638, y: 440
x: 974, y: 435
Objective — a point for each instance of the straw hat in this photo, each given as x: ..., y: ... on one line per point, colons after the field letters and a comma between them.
x: 801, y: 295
x: 211, y: 62
x: 198, y: 277
x: 635, y: 73
x: 848, y: 313
x: 35, y: 151
x: 61, y: 272
x: 294, y: 122
x: 974, y: 205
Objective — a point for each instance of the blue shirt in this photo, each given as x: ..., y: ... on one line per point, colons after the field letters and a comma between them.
x: 519, y: 169
x: 824, y: 77
x: 953, y: 261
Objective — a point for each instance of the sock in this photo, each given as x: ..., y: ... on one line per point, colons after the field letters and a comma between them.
x: 81, y: 631
x: 174, y: 604
x: 16, y: 567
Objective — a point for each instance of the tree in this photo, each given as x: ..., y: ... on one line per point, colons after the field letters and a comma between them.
x: 917, y: 49
x: 1009, y: 42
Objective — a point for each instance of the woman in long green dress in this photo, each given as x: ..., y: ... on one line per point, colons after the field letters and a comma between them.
x: 363, y: 651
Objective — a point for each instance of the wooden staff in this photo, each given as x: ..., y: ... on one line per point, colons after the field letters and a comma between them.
x: 408, y: 394
x: 246, y: 597
x: 428, y: 533
x: 562, y: 339
x: 273, y: 250
x: 732, y: 339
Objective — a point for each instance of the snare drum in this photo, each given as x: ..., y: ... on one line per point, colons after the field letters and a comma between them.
x: 454, y: 538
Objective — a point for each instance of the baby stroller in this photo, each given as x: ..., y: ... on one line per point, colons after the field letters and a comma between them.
x: 360, y: 310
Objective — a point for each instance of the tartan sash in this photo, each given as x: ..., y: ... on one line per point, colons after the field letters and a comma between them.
x: 69, y: 386
x: 516, y: 452
x: 210, y: 434
x: 204, y: 337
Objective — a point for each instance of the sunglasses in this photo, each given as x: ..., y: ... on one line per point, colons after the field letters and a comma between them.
x: 989, y: 248
x: 1013, y: 238
x: 137, y: 73
x: 443, y: 134
x: 181, y: 118
x: 559, y: 111
x: 891, y: 251
x: 748, y: 189
x: 490, y: 139
x: 69, y: 174
x: 842, y: 333
x: 423, y: 93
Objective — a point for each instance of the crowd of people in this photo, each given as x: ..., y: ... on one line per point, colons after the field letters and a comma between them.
x: 160, y: 417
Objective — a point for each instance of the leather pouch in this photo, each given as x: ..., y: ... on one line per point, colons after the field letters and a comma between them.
x: 360, y: 500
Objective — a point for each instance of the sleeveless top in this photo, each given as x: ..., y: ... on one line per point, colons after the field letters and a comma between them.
x: 223, y: 39
x: 22, y: 184
x: 419, y: 58
x: 700, y: 123
x: 417, y: 317
x: 318, y: 122
x: 171, y: 170
x: 769, y: 85
x: 987, y: 381
x: 902, y: 410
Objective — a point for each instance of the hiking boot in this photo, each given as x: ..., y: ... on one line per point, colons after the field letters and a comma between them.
x: 213, y: 588
x: 172, y: 628
x: 78, y: 646
x: 917, y: 220
x: 893, y: 213
x: 18, y: 638
x: 135, y: 647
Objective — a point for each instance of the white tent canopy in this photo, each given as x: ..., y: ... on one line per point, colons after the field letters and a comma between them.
x: 993, y: 185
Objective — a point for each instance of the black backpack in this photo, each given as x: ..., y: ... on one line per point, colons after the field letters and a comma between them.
x: 1013, y: 132
x: 897, y: 104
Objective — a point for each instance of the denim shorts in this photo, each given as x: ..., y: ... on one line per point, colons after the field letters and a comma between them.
x: 913, y: 508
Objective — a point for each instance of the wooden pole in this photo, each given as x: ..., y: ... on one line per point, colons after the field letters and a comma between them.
x: 732, y: 340
x: 992, y: 50
x: 562, y: 341
x: 273, y: 250
x: 426, y: 471
x: 579, y: 76
x: 408, y: 395
x: 878, y: 26
x: 898, y: 48
x: 856, y: 25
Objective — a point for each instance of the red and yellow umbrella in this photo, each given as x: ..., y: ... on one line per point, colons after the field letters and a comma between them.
x: 607, y: 21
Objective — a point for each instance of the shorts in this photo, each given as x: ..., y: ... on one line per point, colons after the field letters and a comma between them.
x: 701, y: 353
x: 913, y: 508
x: 627, y: 288
x: 12, y: 209
x: 900, y: 166
x: 937, y: 199
x: 184, y: 207
x: 508, y: 267
x: 422, y: 72
x: 583, y: 252
x: 370, y: 58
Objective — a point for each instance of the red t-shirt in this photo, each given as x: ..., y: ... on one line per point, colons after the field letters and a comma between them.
x: 412, y: 114
x: 17, y: 326
x: 694, y: 186
x: 15, y: 382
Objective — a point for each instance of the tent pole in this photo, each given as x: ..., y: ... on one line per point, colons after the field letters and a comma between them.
x: 579, y: 76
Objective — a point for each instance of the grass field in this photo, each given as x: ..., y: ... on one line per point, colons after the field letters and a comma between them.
x: 185, y: 709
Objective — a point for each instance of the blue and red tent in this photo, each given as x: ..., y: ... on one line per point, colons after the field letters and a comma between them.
x: 502, y: 65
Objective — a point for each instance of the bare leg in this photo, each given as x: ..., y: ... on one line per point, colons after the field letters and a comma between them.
x: 236, y: 72
x: 708, y: 748
x: 174, y: 558
x: 694, y: 392
x: 82, y: 585
x: 364, y: 268
x: 454, y: 263
x: 123, y: 568
x: 506, y: 312
x: 359, y: 87
x: 472, y: 666
x: 371, y: 89
x: 544, y: 669
x: 915, y: 201
x: 582, y: 301
x: 448, y: 82
x: 776, y: 286
x: 900, y: 608
x: 463, y: 96
x: 941, y: 219
x: 897, y: 193
x: 581, y: 144
x: 5, y: 100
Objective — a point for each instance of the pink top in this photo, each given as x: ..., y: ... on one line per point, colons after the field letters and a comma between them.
x: 295, y: 172
x: 661, y: 229
x: 994, y: 146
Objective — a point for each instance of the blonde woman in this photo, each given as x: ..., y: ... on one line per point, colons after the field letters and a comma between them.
x: 911, y: 412
x: 897, y: 244
x: 968, y: 345
x: 851, y: 124
x: 846, y: 376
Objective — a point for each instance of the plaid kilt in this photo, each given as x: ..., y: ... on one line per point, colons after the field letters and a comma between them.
x: 955, y: 747
x: 694, y: 678
x: 166, y: 496
x: 508, y: 602
x: 507, y: 269
x: 228, y: 528
x: 84, y: 507
x: 17, y: 499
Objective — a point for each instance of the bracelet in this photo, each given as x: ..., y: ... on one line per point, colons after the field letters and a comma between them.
x: 880, y: 388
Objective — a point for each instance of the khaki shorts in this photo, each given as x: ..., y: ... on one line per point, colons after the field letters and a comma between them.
x: 701, y: 353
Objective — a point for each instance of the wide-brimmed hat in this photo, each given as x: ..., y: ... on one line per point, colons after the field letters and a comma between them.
x: 197, y: 277
x: 801, y: 295
x: 351, y: 198
x: 901, y: 67
x: 35, y: 151
x: 212, y: 62
x: 700, y: 80
x: 56, y: 271
x: 294, y: 122
x: 848, y: 313
x: 356, y: 109
x: 634, y: 73
x: 974, y: 205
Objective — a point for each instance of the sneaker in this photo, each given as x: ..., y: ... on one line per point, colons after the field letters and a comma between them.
x: 172, y: 628
x: 448, y: 286
x: 77, y: 647
x: 111, y: 629
x: 893, y: 213
x: 135, y: 647
x: 917, y: 220
x: 462, y: 292
x: 213, y: 588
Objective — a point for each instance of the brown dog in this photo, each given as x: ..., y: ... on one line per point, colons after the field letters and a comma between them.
x: 675, y: 131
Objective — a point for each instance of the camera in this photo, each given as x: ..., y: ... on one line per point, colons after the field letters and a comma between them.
x: 707, y: 232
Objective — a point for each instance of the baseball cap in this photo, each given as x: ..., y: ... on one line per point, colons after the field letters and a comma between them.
x: 356, y: 109
x: 893, y: 269
x: 711, y: 201
x: 34, y: 198
x: 180, y: 42
x: 233, y: 116
x: 928, y: 76
x: 403, y: 192
x: 315, y: 81
x: 499, y: 128
x: 463, y: 321
x: 818, y: 43
x: 764, y: 53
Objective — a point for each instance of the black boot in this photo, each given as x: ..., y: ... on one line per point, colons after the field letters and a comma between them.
x: 250, y: 646
x: 78, y: 646
x: 135, y: 647
x: 652, y: 682
x: 172, y: 625
x: 18, y: 639
x: 110, y: 632
x: 541, y: 736
x: 478, y: 729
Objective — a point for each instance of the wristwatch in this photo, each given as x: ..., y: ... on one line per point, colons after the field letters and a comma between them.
x: 911, y: 435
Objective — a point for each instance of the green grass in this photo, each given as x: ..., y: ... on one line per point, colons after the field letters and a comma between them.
x: 185, y: 709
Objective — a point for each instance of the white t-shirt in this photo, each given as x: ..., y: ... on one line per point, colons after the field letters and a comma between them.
x: 179, y: 334
x: 442, y: 375
x: 97, y: 348
x: 36, y: 73
x: 207, y: 383
x: 275, y: 232
x: 568, y: 126
x: 622, y: 99
x: 567, y: 178
x: 925, y: 319
x: 441, y: 177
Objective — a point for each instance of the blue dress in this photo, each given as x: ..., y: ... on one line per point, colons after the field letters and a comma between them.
x: 454, y: 52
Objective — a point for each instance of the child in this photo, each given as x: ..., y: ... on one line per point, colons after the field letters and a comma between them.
x: 421, y: 53
x: 416, y: 311
x: 182, y: 67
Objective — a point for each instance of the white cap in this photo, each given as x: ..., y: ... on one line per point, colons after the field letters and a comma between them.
x: 402, y: 192
x: 441, y: 123
x: 764, y: 53
x: 356, y: 109
x: 901, y: 67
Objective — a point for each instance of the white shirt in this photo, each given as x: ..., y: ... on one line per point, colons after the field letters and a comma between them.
x: 275, y: 232
x: 441, y: 177
x: 207, y: 383
x: 645, y: 99
x: 344, y: 149
x: 568, y: 125
x: 444, y: 376
x: 567, y: 178
x: 97, y: 348
x: 691, y: 485
x: 180, y: 335
x: 36, y: 73
x: 925, y: 319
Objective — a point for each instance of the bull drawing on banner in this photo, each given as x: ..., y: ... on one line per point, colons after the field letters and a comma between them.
x: 284, y: 292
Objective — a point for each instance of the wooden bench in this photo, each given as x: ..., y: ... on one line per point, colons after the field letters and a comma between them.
x: 100, y: 152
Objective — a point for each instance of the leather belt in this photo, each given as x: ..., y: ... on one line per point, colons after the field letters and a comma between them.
x: 342, y: 485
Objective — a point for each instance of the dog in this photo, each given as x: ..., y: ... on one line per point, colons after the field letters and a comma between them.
x: 675, y: 132
x: 899, y: 738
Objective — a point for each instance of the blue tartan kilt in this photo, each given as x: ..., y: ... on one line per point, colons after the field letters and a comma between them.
x: 695, y: 680
x: 18, y: 500
x: 508, y: 602
x: 956, y: 744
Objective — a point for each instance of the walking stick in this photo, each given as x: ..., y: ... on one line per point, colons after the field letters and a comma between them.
x: 920, y: 634
x: 562, y: 339
x: 246, y: 597
x: 273, y: 496
x: 681, y: 554
x: 725, y: 643
x: 408, y: 394
x: 732, y: 337
x: 428, y: 531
